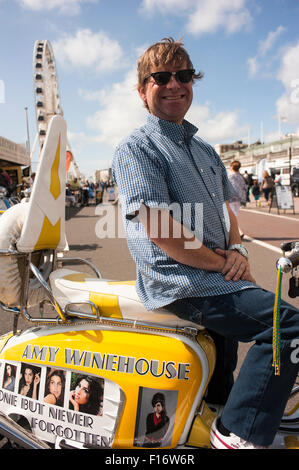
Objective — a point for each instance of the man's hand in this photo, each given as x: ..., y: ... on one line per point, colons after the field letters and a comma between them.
x: 236, y: 267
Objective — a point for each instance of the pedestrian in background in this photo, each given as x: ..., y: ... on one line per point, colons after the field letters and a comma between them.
x: 267, y: 185
x: 239, y: 184
x: 249, y: 182
x: 256, y: 192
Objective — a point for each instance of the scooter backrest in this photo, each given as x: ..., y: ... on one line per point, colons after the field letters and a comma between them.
x: 44, y: 227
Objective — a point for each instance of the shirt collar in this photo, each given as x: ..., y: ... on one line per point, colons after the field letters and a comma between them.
x: 176, y: 132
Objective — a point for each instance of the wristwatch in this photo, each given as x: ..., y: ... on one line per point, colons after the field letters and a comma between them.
x: 241, y: 249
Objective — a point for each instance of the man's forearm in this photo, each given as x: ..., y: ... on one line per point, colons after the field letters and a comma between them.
x: 202, y: 258
x: 180, y: 244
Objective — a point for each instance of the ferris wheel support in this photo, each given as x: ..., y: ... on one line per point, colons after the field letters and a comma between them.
x: 46, y: 94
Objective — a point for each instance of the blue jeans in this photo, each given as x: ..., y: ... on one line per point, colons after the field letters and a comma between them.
x: 258, y: 397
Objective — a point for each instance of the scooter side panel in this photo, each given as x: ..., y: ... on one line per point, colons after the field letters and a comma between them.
x: 129, y: 369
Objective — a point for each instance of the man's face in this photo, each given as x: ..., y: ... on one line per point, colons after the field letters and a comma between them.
x: 171, y: 101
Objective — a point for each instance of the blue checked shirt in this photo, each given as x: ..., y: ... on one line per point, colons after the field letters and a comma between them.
x: 163, y: 164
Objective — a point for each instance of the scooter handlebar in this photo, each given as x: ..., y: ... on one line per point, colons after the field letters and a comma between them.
x: 290, y: 260
x: 294, y: 258
x: 287, y: 246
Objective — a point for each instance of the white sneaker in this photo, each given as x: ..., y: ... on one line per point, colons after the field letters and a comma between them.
x: 220, y: 441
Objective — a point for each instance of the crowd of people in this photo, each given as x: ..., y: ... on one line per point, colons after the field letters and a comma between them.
x: 78, y: 192
x: 250, y: 188
x: 81, y: 193
x: 5, y: 180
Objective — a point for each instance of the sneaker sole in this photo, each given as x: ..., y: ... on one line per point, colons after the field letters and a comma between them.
x: 224, y: 445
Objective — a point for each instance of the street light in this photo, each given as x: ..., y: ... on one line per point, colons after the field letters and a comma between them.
x: 28, y: 138
x: 290, y: 155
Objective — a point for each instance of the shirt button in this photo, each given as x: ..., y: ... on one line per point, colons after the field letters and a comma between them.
x: 201, y: 170
x: 213, y: 194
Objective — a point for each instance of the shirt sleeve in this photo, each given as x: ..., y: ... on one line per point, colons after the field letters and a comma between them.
x: 140, y: 176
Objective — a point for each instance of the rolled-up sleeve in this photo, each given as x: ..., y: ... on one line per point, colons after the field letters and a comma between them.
x: 140, y: 177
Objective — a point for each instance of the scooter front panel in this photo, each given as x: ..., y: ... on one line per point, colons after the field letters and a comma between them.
x: 107, y: 383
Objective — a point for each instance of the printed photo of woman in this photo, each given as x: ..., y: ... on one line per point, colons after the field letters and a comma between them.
x: 86, y: 394
x: 155, y: 417
x: 54, y: 388
x: 9, y: 378
x: 29, y: 381
x: 157, y: 423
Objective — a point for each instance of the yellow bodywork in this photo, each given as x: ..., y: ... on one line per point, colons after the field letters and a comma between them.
x: 166, y: 349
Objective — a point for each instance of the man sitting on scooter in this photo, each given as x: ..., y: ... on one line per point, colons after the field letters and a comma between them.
x: 163, y: 167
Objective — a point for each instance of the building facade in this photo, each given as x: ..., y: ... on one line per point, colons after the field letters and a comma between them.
x: 13, y: 154
x: 280, y: 156
x: 13, y: 158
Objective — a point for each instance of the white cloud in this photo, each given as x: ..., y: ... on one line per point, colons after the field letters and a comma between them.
x: 254, y: 63
x: 165, y: 6
x: 267, y: 44
x: 70, y: 7
x: 288, y: 104
x: 216, y: 127
x: 78, y: 141
x: 121, y: 111
x: 88, y: 49
x: 211, y: 15
x: 205, y: 16
x: 88, y: 95
x: 253, y: 66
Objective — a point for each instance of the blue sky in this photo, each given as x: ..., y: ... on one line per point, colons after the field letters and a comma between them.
x: 247, y: 49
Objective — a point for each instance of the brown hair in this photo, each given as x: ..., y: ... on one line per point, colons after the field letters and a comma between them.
x: 236, y: 165
x: 167, y: 51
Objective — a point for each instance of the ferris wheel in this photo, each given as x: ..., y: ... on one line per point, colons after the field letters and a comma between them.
x: 46, y: 93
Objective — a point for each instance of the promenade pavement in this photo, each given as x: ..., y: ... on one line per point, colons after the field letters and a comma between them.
x: 269, y: 226
x: 266, y: 209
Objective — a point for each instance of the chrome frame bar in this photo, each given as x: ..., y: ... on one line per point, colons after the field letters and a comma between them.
x: 83, y: 261
x: 73, y: 313
x: 12, y: 430
x: 69, y: 311
x: 23, y: 308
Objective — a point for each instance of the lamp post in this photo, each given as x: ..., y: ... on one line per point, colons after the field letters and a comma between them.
x: 28, y: 138
x: 290, y: 155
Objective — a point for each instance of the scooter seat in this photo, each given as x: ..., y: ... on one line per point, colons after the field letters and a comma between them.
x: 115, y: 299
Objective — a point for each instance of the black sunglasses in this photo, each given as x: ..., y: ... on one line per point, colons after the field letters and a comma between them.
x: 162, y: 78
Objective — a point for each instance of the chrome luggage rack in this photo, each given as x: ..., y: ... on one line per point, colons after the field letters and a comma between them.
x: 71, y: 311
x: 64, y: 315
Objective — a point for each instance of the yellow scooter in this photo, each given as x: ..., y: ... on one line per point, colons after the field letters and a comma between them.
x: 94, y: 365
